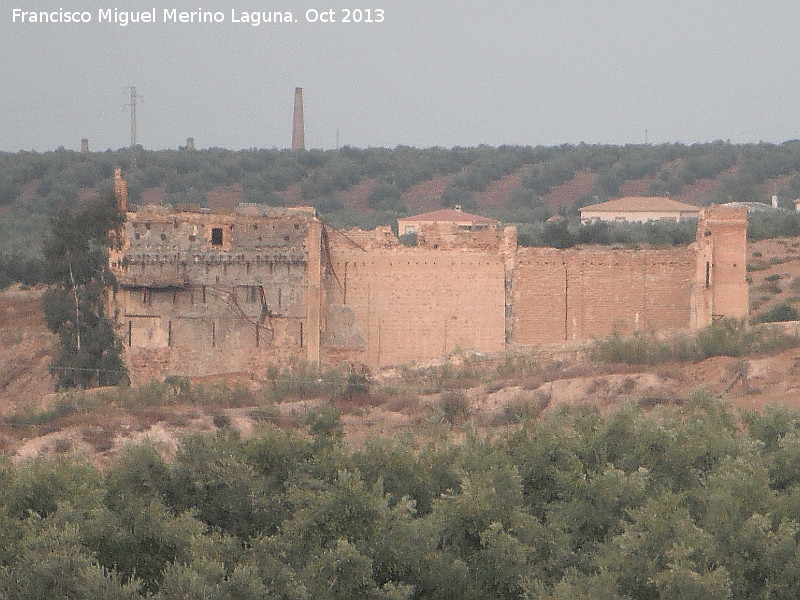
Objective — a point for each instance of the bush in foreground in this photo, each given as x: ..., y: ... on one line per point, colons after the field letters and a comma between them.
x: 726, y: 337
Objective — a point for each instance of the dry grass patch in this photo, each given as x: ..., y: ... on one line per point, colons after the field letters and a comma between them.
x: 101, y: 439
x: 454, y: 406
x: 524, y: 407
x: 770, y: 287
x: 403, y: 403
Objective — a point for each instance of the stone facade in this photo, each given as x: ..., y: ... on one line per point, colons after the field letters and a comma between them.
x: 203, y: 293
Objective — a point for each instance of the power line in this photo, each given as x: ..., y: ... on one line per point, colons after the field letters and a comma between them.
x: 134, y: 102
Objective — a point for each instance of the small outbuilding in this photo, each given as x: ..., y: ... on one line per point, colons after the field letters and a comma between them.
x: 639, y: 209
x: 463, y: 220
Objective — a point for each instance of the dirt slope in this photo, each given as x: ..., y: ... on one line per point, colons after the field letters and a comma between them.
x: 25, y: 350
x: 35, y: 422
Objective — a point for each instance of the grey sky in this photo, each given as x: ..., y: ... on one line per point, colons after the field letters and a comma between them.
x: 434, y: 73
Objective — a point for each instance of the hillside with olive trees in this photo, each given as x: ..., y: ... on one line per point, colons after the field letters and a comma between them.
x: 353, y: 187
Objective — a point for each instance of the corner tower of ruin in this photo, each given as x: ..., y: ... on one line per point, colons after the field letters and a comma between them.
x: 120, y: 190
x: 720, y: 288
x: 209, y: 293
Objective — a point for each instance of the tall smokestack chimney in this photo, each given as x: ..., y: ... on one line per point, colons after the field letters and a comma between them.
x: 298, y: 133
x: 84, y: 144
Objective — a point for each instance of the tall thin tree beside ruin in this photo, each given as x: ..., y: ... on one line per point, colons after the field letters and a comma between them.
x: 76, y: 251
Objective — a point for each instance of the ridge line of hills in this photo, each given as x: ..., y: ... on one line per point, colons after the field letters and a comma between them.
x: 353, y: 187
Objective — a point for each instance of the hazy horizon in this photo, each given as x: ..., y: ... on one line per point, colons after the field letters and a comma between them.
x: 612, y: 72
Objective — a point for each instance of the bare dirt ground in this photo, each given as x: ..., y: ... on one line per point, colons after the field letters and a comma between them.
x: 32, y: 422
x: 498, y: 191
x: 426, y: 195
x: 25, y: 350
x: 565, y: 194
x: 773, y: 271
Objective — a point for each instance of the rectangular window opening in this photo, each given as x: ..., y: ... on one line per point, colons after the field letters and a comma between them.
x: 216, y: 236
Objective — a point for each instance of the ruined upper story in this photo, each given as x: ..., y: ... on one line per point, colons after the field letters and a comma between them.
x: 163, y: 247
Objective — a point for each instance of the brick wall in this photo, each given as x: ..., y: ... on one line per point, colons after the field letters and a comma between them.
x: 413, y: 303
x: 575, y: 294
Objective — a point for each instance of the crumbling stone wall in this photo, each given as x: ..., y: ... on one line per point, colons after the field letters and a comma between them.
x: 205, y: 293
x: 478, y: 290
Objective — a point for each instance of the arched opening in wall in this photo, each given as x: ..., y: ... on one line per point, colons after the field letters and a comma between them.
x: 216, y: 236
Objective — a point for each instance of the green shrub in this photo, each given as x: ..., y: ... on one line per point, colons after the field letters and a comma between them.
x: 641, y: 348
x: 781, y: 312
x: 307, y: 382
x: 522, y: 408
x: 726, y: 337
x: 454, y: 407
x: 770, y: 287
x: 408, y: 239
x: 757, y: 265
x: 325, y: 422
x: 67, y: 405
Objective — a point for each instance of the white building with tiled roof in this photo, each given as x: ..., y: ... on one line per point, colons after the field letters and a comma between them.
x: 639, y: 209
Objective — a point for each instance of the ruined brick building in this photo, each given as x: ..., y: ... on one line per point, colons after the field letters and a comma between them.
x: 203, y: 293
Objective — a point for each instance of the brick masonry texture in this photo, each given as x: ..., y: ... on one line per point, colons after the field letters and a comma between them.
x: 591, y: 292
x: 203, y: 293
